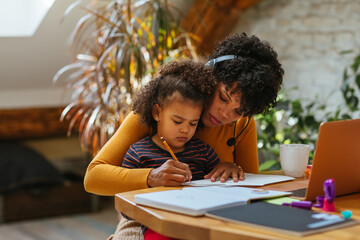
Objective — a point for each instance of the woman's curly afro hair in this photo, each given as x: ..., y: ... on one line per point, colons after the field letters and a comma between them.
x: 256, y: 71
x: 191, y: 79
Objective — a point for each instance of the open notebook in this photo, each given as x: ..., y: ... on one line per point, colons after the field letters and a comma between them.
x: 197, y: 201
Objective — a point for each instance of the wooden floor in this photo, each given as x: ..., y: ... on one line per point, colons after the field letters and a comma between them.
x: 90, y: 226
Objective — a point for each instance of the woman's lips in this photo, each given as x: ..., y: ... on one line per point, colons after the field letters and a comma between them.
x: 213, y: 120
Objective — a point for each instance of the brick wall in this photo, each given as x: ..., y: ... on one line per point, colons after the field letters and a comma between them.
x: 308, y: 36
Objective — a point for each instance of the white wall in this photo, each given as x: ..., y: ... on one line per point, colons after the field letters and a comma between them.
x: 28, y: 64
x: 308, y: 36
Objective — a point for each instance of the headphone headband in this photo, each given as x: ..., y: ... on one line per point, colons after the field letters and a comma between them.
x: 212, y: 62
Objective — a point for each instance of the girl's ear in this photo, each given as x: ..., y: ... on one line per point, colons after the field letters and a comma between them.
x: 156, y: 112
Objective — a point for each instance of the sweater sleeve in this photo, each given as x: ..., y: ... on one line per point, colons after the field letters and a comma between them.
x: 104, y: 176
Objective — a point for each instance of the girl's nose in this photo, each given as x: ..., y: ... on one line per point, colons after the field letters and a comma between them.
x: 184, y: 129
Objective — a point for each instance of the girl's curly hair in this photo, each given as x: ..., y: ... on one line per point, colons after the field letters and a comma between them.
x: 191, y: 79
x: 256, y: 70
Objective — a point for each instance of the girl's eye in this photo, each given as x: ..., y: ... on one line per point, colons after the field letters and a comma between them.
x: 193, y: 124
x: 177, y: 122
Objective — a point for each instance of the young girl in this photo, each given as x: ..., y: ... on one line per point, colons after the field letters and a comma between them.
x: 171, y: 104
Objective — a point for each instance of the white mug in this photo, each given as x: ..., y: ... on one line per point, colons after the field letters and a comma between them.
x: 294, y: 159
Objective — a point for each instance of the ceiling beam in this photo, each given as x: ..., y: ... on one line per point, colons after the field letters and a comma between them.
x: 213, y: 20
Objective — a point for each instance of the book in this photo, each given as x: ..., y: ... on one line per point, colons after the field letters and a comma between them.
x: 196, y: 201
x: 250, y: 180
x: 285, y: 219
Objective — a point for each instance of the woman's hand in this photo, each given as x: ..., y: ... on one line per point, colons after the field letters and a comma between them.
x: 171, y: 174
x: 224, y: 171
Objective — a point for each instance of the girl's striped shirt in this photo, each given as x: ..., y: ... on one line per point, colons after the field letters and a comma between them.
x: 200, y: 157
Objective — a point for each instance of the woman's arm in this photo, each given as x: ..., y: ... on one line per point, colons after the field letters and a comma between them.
x: 104, y: 176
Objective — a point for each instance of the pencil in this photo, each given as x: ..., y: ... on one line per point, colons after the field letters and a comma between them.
x: 169, y: 149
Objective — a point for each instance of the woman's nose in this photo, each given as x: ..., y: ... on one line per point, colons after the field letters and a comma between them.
x: 228, y: 112
x: 225, y: 112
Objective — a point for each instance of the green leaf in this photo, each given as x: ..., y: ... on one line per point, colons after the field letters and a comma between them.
x: 346, y: 116
x: 345, y: 75
x: 356, y: 63
x: 358, y: 80
x: 310, y: 121
x: 296, y: 106
x: 353, y: 103
x: 267, y: 165
x: 346, y: 52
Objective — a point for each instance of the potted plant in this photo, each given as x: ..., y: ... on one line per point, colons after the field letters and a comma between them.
x: 116, y: 46
x: 292, y: 121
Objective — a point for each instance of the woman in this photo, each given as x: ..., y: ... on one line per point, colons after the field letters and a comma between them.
x: 248, y: 77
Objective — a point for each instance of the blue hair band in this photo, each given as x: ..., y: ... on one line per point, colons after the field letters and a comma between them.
x: 212, y: 62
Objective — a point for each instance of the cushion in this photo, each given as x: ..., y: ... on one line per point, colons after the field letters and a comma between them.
x: 21, y: 166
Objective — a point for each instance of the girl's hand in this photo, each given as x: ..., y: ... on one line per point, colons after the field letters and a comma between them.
x: 224, y: 171
x: 171, y: 174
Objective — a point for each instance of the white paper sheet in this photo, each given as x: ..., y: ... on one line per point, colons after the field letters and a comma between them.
x: 250, y: 180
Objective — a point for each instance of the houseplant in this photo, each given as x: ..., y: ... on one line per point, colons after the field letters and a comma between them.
x: 116, y: 46
x: 292, y: 121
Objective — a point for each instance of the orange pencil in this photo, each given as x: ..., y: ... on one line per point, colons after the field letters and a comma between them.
x: 169, y: 149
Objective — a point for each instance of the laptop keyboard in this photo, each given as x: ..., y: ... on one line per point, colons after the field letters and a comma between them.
x: 299, y: 192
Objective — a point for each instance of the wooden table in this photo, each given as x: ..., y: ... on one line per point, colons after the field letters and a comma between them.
x: 187, y: 227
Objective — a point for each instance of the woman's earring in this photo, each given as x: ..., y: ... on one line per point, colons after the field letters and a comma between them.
x: 156, y: 119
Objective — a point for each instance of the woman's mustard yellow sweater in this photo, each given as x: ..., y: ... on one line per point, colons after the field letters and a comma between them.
x: 104, y: 176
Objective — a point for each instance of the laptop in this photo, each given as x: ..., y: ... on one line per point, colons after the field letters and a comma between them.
x: 337, y: 156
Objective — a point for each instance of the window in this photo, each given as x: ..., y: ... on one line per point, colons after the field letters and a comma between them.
x: 21, y: 18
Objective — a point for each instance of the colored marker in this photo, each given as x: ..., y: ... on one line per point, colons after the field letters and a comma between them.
x: 299, y: 204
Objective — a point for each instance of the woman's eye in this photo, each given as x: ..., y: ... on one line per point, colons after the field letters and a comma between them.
x: 193, y: 124
x: 177, y: 122
x: 221, y: 98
